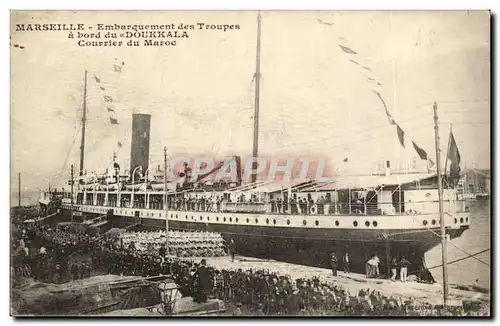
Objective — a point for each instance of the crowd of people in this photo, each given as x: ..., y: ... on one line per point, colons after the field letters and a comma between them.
x: 259, y: 292
x: 209, y: 202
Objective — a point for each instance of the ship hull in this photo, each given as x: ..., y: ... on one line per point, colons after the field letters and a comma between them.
x: 308, y: 246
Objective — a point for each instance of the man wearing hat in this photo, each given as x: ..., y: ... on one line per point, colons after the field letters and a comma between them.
x: 232, y: 249
x: 237, y: 310
x: 41, y: 264
x: 347, y: 263
x: 204, y: 280
x: 333, y: 263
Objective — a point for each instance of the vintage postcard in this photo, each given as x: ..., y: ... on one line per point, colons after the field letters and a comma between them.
x: 245, y: 163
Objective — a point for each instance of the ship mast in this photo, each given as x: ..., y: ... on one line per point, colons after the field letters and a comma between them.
x: 257, y: 77
x: 84, y: 119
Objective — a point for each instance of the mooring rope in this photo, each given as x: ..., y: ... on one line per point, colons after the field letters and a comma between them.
x: 460, y: 259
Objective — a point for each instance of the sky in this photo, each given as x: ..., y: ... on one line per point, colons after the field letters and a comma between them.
x: 314, y: 101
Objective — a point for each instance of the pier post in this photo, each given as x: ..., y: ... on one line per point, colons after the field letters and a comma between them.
x: 441, y: 213
x: 165, y: 201
x: 19, y: 191
x: 72, y: 182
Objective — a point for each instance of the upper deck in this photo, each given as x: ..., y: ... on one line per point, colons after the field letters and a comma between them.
x: 366, y: 195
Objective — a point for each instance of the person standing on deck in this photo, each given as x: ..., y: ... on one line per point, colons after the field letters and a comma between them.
x: 278, y: 203
x: 404, y: 269
x: 347, y: 262
x: 333, y: 264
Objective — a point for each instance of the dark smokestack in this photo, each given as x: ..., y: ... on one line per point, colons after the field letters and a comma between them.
x: 139, y: 156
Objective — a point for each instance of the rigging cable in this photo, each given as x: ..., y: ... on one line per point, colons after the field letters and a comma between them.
x: 58, y: 175
x: 465, y: 252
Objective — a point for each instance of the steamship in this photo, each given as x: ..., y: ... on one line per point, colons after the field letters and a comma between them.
x: 387, y: 214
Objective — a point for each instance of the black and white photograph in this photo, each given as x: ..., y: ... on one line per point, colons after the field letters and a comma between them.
x: 250, y: 163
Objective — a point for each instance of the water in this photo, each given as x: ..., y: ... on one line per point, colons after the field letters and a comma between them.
x: 28, y: 198
x: 477, y: 238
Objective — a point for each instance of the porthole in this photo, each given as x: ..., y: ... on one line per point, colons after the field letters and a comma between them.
x: 274, y: 221
x: 367, y: 223
x: 230, y: 219
x: 186, y: 217
x: 217, y: 219
x: 171, y: 215
x: 424, y: 222
x: 192, y: 217
x: 248, y: 220
x: 304, y: 222
x: 208, y: 218
x: 337, y: 223
x: 317, y: 222
x: 237, y: 220
x: 267, y: 221
x: 455, y: 220
x: 176, y: 216
x: 224, y: 219
x: 433, y: 222
x: 288, y: 222
x: 467, y: 219
x: 201, y: 218
x: 461, y: 220
x: 355, y: 223
x: 256, y: 220
x: 375, y: 223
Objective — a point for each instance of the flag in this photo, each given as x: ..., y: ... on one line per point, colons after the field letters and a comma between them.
x: 97, y: 79
x: 113, y: 121
x: 119, y: 144
x: 389, y: 116
x: 454, y: 156
x: 110, y: 109
x: 355, y: 62
x: 401, y: 135
x: 453, y: 153
x: 346, y: 159
x: 366, y: 68
x: 117, y: 68
x: 108, y: 99
x: 421, y: 153
x: 347, y: 50
x: 102, y: 88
